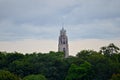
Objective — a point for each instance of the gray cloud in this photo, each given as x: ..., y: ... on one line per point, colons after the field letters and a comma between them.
x: 24, y: 19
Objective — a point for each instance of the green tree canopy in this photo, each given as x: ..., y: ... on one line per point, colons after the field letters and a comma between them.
x: 115, y: 77
x: 35, y: 77
x: 6, y: 75
x: 110, y: 49
x: 82, y: 72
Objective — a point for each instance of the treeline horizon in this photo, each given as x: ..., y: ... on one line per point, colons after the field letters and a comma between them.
x: 86, y: 65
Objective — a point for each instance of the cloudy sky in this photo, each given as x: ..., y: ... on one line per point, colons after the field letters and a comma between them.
x: 34, y: 25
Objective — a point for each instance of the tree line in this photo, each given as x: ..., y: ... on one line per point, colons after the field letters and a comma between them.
x: 86, y: 65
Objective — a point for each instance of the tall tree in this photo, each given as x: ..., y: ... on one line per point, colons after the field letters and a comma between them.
x: 110, y: 49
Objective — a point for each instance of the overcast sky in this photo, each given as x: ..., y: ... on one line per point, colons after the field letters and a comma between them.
x: 39, y: 21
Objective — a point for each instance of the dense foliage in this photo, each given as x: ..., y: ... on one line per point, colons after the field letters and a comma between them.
x: 6, y: 75
x: 86, y: 65
x: 34, y: 77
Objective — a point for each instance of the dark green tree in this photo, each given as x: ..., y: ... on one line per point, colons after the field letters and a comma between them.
x: 6, y: 75
x: 35, y: 77
x: 110, y: 49
x: 82, y: 72
x: 115, y: 77
x: 85, y: 53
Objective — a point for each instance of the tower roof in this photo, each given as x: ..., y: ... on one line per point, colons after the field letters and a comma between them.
x: 62, y: 31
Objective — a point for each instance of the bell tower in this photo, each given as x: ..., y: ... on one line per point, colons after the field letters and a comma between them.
x: 63, y: 43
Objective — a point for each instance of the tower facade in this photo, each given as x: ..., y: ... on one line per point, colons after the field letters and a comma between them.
x: 63, y: 43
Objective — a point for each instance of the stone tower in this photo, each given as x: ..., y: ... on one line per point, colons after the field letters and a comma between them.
x: 63, y: 43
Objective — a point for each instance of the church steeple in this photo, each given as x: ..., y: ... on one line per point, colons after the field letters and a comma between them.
x: 63, y: 43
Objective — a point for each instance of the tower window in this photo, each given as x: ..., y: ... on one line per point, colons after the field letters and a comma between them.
x: 64, y: 50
